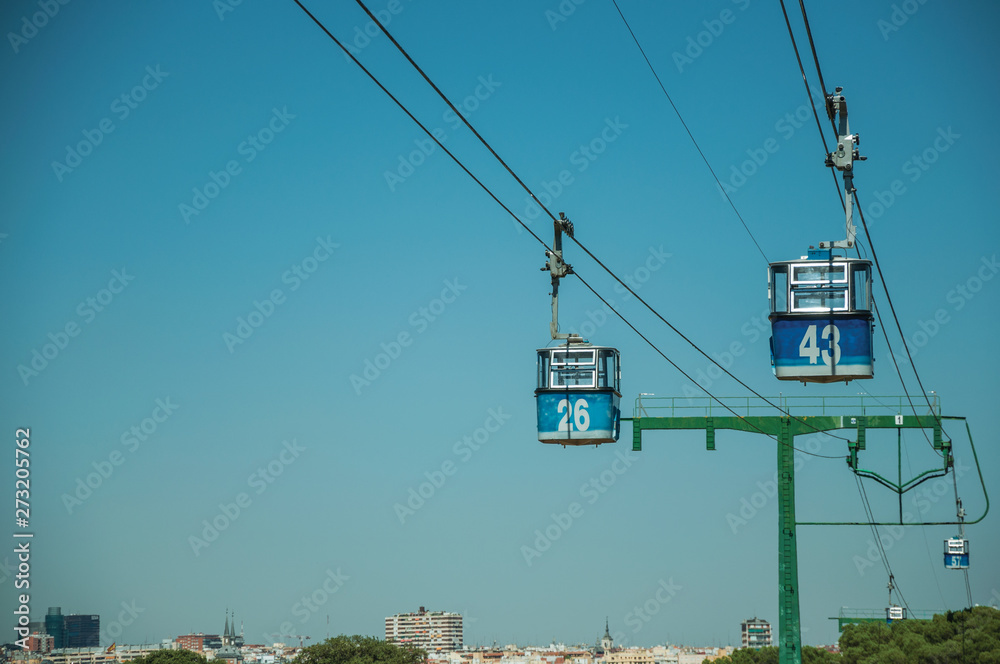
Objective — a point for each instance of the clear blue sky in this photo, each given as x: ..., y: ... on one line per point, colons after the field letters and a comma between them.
x: 302, y: 233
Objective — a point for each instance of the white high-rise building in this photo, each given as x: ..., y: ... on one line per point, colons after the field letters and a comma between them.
x: 433, y: 631
x: 756, y: 633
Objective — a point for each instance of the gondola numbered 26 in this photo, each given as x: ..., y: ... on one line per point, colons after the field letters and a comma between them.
x: 578, y: 393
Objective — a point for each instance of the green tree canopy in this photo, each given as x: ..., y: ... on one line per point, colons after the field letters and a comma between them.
x: 359, y: 650
x: 171, y: 657
x: 972, y: 635
x: 769, y: 655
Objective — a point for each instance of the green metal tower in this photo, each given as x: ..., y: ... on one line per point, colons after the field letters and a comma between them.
x: 804, y: 415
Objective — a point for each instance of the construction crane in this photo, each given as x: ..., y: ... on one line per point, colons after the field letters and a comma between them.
x: 299, y: 637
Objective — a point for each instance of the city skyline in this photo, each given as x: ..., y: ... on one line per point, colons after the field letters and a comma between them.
x: 229, y: 634
x: 200, y: 641
x: 257, y: 654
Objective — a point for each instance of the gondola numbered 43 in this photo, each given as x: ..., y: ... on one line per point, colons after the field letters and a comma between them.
x: 821, y: 304
x: 821, y: 318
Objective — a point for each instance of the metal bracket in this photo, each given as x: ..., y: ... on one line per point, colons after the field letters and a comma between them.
x: 558, y: 269
x: 842, y: 158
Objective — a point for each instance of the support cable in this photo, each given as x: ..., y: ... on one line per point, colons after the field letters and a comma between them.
x: 686, y: 375
x: 895, y: 318
x: 960, y: 513
x: 819, y: 73
x: 869, y: 514
x: 812, y: 102
x: 418, y: 123
x: 859, y: 247
x: 690, y: 135
x: 871, y: 524
x: 516, y: 218
x: 444, y: 97
x: 902, y: 382
x: 695, y: 346
x: 492, y: 195
x: 812, y: 45
x: 923, y: 531
x: 452, y: 107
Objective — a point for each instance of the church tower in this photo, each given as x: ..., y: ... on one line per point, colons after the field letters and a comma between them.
x: 606, y: 641
x: 230, y: 652
x: 229, y: 632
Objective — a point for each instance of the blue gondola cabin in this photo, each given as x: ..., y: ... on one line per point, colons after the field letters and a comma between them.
x: 578, y: 394
x: 821, y: 318
x: 956, y: 553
